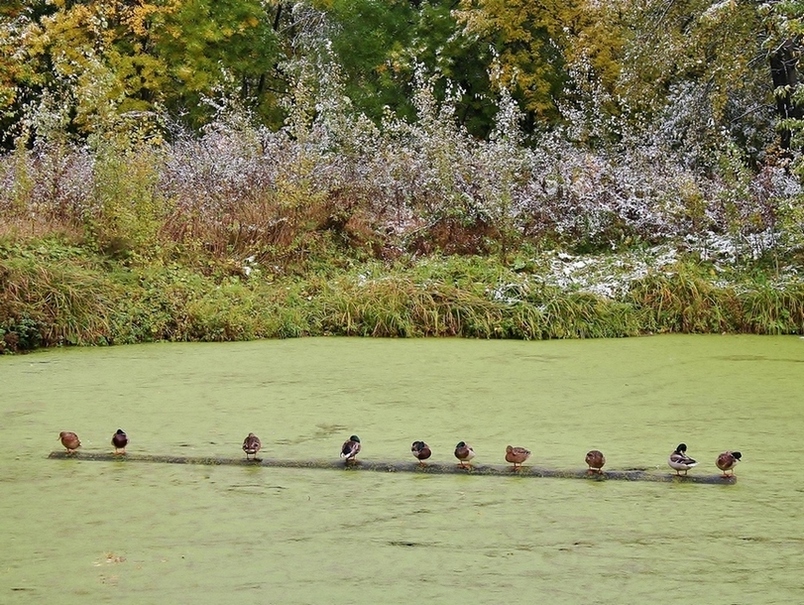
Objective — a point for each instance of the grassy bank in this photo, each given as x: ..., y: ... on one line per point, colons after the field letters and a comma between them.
x: 53, y: 294
x: 336, y: 188
x: 336, y: 226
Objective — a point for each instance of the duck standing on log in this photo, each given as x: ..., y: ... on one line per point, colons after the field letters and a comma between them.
x: 464, y: 453
x: 421, y: 451
x: 679, y: 461
x: 70, y: 441
x: 119, y: 441
x: 595, y: 461
x: 351, y: 448
x: 252, y: 445
x: 516, y: 455
x: 727, y: 461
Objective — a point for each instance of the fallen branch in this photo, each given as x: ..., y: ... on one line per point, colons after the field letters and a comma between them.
x: 400, y: 467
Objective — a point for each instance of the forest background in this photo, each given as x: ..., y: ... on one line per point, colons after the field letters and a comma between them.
x: 237, y: 169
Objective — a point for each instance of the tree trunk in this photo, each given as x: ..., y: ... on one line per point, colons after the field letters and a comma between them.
x: 784, y: 71
x: 433, y: 468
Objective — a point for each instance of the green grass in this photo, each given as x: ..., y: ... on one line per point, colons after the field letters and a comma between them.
x: 54, y: 293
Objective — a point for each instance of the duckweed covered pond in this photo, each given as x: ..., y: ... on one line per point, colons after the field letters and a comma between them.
x: 99, y: 532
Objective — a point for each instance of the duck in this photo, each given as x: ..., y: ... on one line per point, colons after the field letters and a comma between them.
x: 680, y: 461
x: 351, y: 448
x: 464, y: 452
x: 70, y: 441
x: 251, y: 445
x: 421, y: 451
x: 119, y: 441
x: 727, y: 461
x: 516, y: 455
x: 595, y: 461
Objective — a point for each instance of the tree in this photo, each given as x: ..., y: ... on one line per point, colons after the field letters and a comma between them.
x: 97, y: 61
x: 785, y: 29
x: 380, y: 45
x: 535, y: 42
x: 21, y: 78
x: 698, y: 67
x: 220, y: 48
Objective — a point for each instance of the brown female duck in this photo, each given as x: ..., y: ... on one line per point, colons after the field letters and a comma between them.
x: 70, y: 441
x: 251, y: 445
x: 727, y: 461
x: 516, y: 455
x: 595, y: 461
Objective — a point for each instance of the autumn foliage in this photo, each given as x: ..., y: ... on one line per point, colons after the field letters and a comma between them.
x: 229, y: 143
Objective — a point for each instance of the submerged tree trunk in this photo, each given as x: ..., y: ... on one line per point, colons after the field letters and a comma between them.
x: 435, y: 468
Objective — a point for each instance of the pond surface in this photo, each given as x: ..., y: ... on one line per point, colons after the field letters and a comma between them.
x: 97, y: 532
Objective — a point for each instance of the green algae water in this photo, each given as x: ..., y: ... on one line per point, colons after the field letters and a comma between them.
x: 102, y: 532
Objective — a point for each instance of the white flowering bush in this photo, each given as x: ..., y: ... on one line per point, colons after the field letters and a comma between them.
x: 238, y: 189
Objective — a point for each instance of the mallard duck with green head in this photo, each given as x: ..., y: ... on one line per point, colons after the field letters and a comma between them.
x: 421, y: 451
x: 350, y: 448
x: 464, y: 453
x: 679, y: 461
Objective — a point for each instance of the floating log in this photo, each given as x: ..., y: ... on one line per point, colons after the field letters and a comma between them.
x: 433, y: 468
